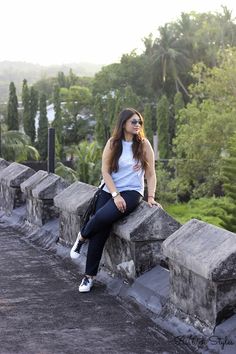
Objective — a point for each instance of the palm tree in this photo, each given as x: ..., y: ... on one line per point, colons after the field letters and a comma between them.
x: 66, y: 172
x: 186, y: 27
x: 227, y: 28
x: 15, y: 146
x: 87, y: 162
x: 169, y: 57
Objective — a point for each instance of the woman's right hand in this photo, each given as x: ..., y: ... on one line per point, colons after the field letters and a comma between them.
x: 120, y: 203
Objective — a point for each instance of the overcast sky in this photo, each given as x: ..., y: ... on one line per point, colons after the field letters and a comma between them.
x: 96, y: 31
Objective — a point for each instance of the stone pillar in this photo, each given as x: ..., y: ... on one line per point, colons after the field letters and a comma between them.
x: 40, y: 190
x: 134, y: 245
x: 31, y: 202
x: 10, y: 179
x: 202, y: 271
x: 72, y: 202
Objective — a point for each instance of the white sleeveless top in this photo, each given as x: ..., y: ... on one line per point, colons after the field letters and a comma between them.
x: 126, y: 179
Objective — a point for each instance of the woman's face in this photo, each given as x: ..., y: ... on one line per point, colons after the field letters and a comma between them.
x: 133, y: 125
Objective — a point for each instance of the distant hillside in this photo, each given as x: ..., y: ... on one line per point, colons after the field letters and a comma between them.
x: 18, y: 71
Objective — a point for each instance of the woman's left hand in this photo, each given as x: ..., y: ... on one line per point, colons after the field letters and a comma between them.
x: 151, y: 202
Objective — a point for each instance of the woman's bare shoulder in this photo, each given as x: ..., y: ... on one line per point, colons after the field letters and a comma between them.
x: 146, y: 143
x: 108, y: 145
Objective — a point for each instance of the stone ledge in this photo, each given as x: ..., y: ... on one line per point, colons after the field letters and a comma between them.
x: 32, y: 182
x: 15, y: 174
x: 203, y: 248
x: 49, y: 187
x: 146, y: 224
x: 201, y: 260
x: 75, y: 198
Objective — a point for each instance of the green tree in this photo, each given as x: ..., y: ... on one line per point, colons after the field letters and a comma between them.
x: 106, y: 109
x: 178, y: 105
x: 229, y: 176
x: 213, y: 32
x: 169, y: 57
x: 16, y: 146
x: 71, y: 79
x: 205, y: 127
x: 102, y: 131
x: 130, y: 99
x: 67, y: 173
x: 148, y: 122
x: 12, y: 109
x: 163, y: 127
x: 134, y: 73
x: 118, y: 106
x: 26, y: 107
x: 61, y: 79
x: 131, y: 71
x: 42, y: 142
x: 45, y: 86
x: 88, y: 162
x: 76, y: 113
x: 33, y: 112
x: 57, y: 122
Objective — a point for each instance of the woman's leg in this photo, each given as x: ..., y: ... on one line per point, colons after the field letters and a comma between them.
x: 107, y: 213
x: 99, y: 228
x: 75, y: 250
x: 103, y: 198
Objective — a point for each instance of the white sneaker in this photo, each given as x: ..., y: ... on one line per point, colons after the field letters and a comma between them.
x: 75, y: 250
x: 86, y: 285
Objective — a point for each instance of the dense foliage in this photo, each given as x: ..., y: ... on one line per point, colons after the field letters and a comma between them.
x: 42, y: 141
x: 12, y: 109
x: 229, y: 177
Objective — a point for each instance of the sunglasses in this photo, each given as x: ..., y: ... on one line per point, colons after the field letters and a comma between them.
x: 135, y: 121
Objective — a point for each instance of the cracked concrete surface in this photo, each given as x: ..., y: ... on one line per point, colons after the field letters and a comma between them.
x: 41, y: 310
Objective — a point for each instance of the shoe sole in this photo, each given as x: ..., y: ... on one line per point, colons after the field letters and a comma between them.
x: 84, y: 290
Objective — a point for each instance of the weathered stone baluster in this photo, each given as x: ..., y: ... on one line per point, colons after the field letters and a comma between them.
x: 202, y: 260
x: 40, y: 191
x: 10, y: 179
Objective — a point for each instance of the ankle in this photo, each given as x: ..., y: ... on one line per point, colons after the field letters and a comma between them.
x: 82, y: 239
x: 90, y: 276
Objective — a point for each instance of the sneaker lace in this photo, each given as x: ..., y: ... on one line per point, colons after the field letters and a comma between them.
x: 79, y: 245
x: 85, y: 281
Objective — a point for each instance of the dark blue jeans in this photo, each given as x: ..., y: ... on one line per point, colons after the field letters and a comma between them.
x: 99, y: 226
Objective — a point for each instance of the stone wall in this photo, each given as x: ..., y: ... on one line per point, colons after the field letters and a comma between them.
x: 200, y: 257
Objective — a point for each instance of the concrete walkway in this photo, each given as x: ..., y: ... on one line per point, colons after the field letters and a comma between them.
x: 41, y: 310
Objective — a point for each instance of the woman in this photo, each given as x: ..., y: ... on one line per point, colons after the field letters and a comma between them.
x: 127, y: 157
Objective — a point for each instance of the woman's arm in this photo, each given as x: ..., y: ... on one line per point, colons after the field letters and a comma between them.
x: 150, y: 174
x: 118, y: 200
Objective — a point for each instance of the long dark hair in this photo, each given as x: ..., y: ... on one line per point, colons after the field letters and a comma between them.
x: 118, y: 136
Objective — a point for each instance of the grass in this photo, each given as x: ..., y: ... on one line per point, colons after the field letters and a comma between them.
x: 205, y: 209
